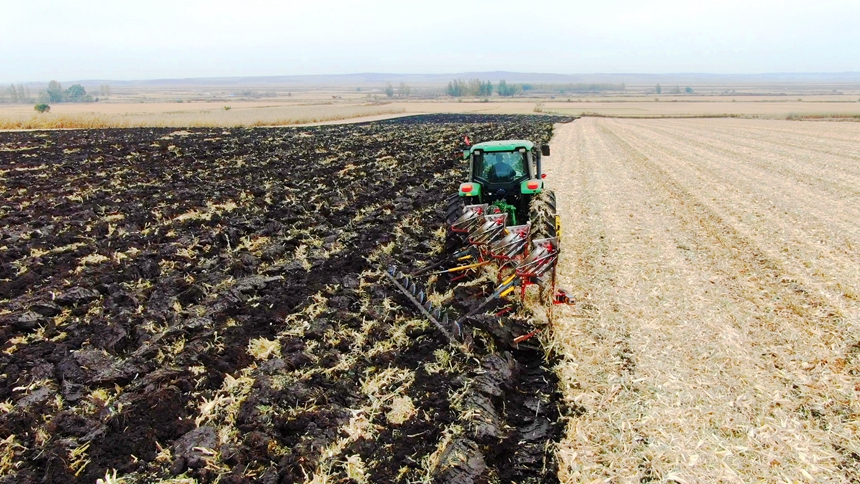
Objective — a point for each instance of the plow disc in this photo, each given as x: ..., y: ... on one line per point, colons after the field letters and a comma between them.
x: 511, y: 245
x: 473, y: 215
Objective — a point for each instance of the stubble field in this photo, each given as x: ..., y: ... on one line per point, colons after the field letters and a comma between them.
x: 717, y: 334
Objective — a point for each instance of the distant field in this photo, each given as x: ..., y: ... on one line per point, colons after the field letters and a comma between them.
x: 717, y: 332
x: 319, y: 106
x: 714, y: 107
x: 106, y: 115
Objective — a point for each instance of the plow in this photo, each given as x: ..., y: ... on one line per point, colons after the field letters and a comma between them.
x: 501, y: 225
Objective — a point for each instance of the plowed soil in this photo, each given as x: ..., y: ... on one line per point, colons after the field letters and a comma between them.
x: 208, y: 305
x: 716, y: 336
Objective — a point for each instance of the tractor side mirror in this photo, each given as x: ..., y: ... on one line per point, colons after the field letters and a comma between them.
x: 544, y: 150
x: 466, y: 154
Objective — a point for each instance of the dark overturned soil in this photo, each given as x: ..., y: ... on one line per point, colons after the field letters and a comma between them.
x: 208, y: 303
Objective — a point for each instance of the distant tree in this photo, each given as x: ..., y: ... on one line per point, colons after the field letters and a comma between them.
x: 659, y: 89
x: 389, y: 90
x: 76, y: 93
x: 477, y: 87
x: 503, y: 88
x: 104, y: 90
x: 676, y: 89
x: 13, y: 93
x: 506, y: 89
x: 42, y: 108
x: 23, y: 93
x: 473, y: 87
x: 403, y: 90
x: 55, y: 92
x: 457, y: 88
x: 688, y: 90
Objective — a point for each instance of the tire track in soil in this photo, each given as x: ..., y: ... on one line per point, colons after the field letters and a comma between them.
x: 751, y: 357
x: 810, y: 327
x: 160, y: 357
x: 792, y: 230
x: 750, y: 259
x: 785, y: 218
x: 818, y: 137
x: 813, y: 172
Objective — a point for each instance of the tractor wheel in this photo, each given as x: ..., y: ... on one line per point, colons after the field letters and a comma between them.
x: 453, y: 211
x: 542, y: 215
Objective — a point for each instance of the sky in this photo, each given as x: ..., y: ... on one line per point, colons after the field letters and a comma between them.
x: 159, y: 39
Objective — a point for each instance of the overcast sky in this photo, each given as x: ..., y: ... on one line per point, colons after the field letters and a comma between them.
x: 124, y: 40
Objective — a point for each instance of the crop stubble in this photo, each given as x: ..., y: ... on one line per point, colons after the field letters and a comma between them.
x: 718, y: 264
x: 207, y: 304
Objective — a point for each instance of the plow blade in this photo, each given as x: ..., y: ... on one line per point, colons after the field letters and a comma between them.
x: 491, y: 229
x: 503, y: 290
x: 473, y: 216
x: 541, y: 261
x: 513, y: 244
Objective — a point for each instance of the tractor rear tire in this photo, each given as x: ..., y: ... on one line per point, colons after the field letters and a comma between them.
x: 542, y: 214
x: 453, y: 211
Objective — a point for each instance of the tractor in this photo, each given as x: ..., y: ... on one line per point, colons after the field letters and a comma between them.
x: 506, y: 177
x: 501, y: 215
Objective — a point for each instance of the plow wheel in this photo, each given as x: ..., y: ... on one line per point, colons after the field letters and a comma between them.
x: 543, y: 216
x: 453, y: 211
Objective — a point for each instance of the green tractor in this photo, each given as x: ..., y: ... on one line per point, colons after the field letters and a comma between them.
x: 504, y: 177
x: 504, y: 216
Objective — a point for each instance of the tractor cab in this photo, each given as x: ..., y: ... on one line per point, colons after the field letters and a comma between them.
x: 500, y: 168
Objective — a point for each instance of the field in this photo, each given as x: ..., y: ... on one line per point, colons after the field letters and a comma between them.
x: 207, y: 304
x: 717, y: 334
x: 203, y: 114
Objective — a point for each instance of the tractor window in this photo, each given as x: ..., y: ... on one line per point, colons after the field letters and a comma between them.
x: 501, y: 166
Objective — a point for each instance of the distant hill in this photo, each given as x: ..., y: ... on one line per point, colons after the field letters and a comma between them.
x: 495, y: 76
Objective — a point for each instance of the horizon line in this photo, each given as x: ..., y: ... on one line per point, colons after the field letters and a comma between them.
x: 454, y: 74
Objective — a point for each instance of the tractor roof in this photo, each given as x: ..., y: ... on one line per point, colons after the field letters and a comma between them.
x: 504, y: 145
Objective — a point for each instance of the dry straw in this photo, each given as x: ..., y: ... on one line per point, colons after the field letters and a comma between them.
x: 717, y: 281
x: 209, y: 117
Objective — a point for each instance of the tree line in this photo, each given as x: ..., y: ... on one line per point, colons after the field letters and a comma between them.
x: 675, y: 90
x: 53, y: 94
x: 478, y: 88
x: 574, y: 87
x: 473, y: 87
x: 402, y: 90
x: 56, y: 94
x: 17, y: 94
